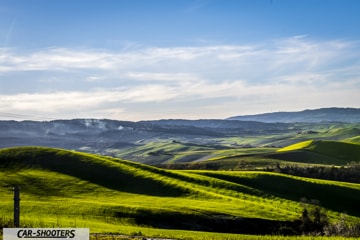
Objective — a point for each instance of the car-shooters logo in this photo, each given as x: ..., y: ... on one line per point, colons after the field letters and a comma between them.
x: 46, y: 233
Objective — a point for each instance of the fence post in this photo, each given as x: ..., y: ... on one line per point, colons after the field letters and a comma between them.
x: 16, y: 206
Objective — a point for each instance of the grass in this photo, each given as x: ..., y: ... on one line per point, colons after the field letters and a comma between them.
x: 166, y: 152
x: 321, y: 152
x: 355, y: 140
x: 172, y: 152
x: 296, y: 146
x: 180, y: 151
x: 293, y: 188
x: 73, y: 189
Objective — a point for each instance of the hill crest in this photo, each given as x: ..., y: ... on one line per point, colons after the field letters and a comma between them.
x: 320, y: 151
x: 348, y: 115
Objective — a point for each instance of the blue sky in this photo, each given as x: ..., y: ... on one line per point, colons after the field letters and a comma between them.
x: 154, y: 59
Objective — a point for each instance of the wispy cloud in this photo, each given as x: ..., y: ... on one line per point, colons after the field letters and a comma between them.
x: 205, y: 81
x: 54, y: 59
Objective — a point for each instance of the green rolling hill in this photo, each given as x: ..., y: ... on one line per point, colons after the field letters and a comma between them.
x: 72, y: 189
x: 353, y: 140
x: 321, y: 152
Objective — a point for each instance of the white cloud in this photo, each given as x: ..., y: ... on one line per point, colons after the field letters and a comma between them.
x: 159, y: 76
x: 286, y: 73
x: 94, y: 78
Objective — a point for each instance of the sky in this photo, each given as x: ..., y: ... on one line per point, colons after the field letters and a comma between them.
x: 168, y: 59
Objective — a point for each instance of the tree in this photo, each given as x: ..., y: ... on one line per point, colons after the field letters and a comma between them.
x: 314, y: 219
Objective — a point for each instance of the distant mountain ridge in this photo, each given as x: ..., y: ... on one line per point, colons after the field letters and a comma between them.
x: 347, y: 115
x: 103, y: 133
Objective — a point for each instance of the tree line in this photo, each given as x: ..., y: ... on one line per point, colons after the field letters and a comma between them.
x: 348, y: 173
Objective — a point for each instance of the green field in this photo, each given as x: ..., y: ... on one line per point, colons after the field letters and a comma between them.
x: 62, y: 188
x: 322, y: 152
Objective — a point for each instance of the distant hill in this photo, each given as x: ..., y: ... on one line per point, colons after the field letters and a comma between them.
x: 348, y: 115
x: 95, y: 135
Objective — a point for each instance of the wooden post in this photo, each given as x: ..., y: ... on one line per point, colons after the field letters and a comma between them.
x: 16, y: 206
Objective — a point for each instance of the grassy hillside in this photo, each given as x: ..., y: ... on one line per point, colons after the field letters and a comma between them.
x: 173, y: 152
x: 296, y: 146
x: 355, y: 140
x: 293, y: 188
x: 301, y: 154
x: 305, y: 131
x: 321, y: 152
x: 166, y: 152
x: 73, y: 189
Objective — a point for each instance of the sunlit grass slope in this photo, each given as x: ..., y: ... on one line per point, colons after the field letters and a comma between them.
x: 296, y: 146
x: 72, y: 189
x: 355, y: 140
x: 324, y: 152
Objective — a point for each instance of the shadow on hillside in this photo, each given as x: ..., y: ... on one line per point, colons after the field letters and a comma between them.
x: 205, y: 222
x: 331, y: 196
x: 94, y: 170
